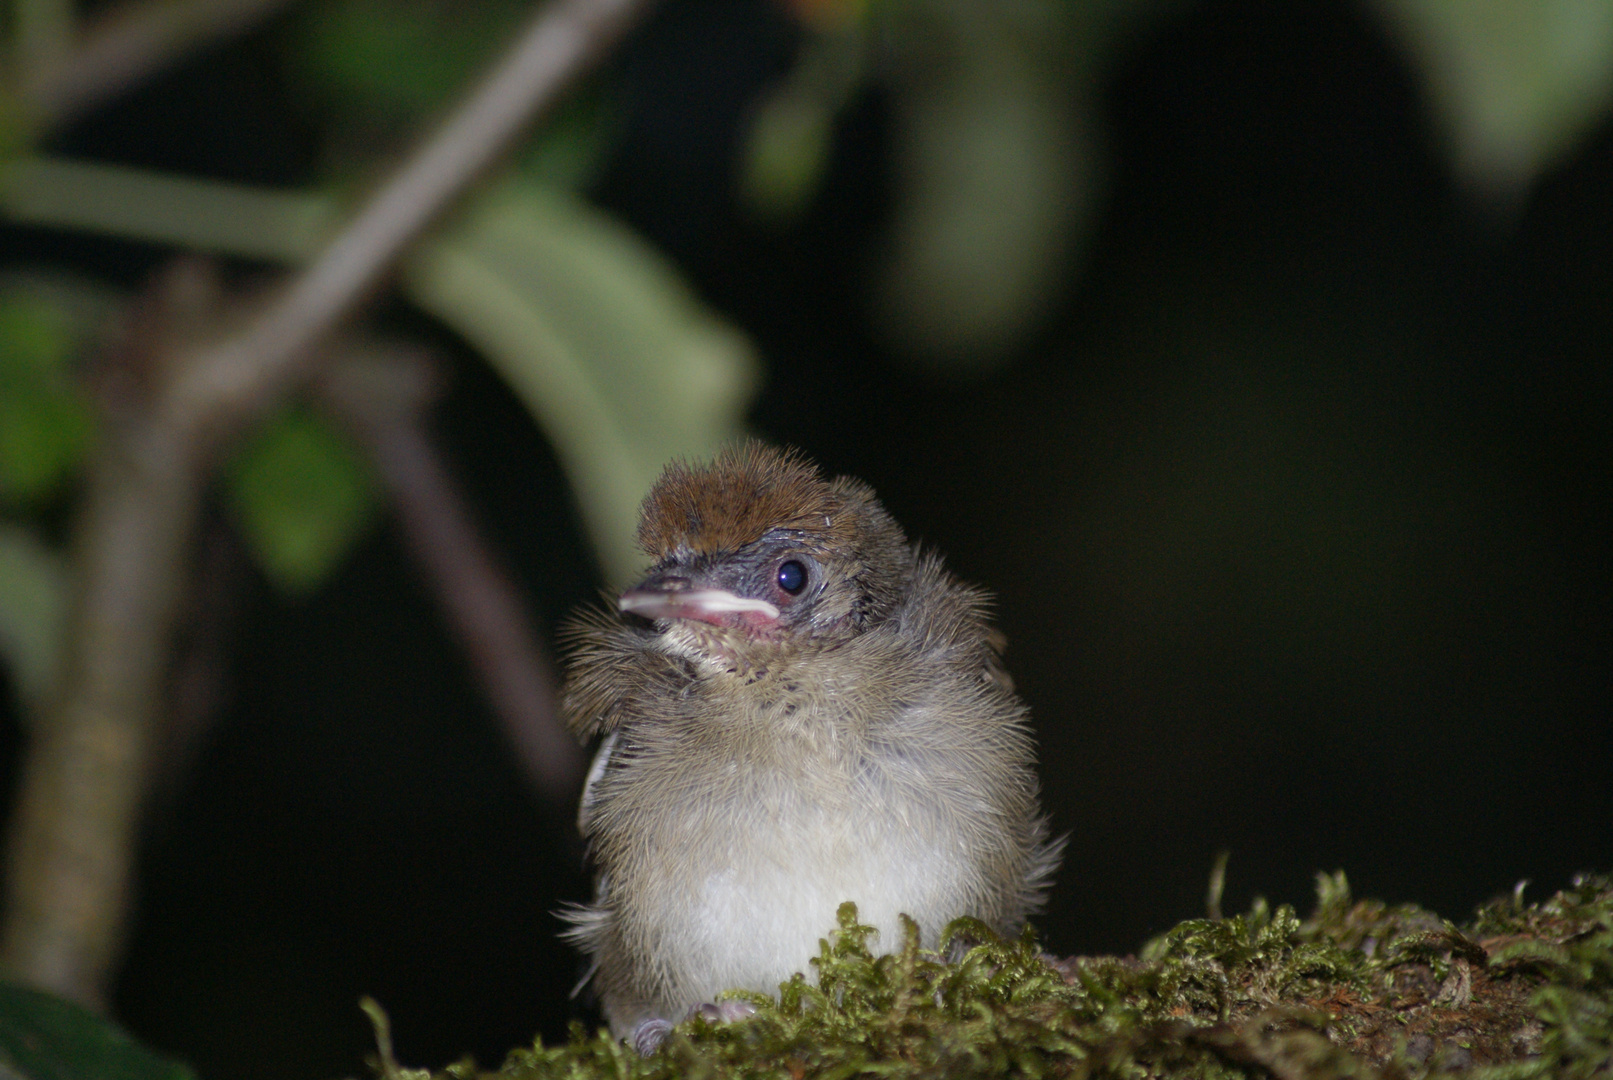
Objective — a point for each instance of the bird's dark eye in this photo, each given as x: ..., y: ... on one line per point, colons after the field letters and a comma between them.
x: 792, y: 577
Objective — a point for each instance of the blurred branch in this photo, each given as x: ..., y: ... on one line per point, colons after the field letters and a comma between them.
x: 383, y: 400
x: 199, y: 685
x: 73, y: 830
x: 71, y: 846
x: 269, y: 353
x: 127, y: 45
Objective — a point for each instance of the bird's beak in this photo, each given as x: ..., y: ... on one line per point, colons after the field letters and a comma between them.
x: 658, y: 600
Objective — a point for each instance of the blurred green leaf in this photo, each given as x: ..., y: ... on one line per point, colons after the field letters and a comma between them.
x: 34, y: 338
x: 43, y: 1037
x: 999, y: 164
x: 33, y: 610
x: 618, y: 361
x: 401, y: 58
x: 44, y: 433
x: 997, y: 176
x: 786, y: 153
x: 208, y: 215
x: 379, y: 68
x: 15, y: 129
x: 45, y: 424
x: 302, y: 496
x: 790, y: 138
x: 570, y: 147
x: 1514, y: 85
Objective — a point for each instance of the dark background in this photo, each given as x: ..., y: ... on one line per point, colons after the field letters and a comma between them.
x: 1297, y: 512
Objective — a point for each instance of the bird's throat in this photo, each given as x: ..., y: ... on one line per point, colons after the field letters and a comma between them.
x: 736, y: 646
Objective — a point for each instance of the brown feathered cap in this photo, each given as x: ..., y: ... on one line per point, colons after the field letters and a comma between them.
x: 749, y: 490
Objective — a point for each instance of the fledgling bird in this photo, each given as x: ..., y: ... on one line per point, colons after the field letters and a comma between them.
x: 799, y: 708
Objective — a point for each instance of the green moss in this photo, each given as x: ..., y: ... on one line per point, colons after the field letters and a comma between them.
x: 1358, y: 989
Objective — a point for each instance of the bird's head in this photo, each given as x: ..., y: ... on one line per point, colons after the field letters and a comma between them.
x: 758, y: 547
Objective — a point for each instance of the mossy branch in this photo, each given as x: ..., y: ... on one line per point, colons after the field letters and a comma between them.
x: 1358, y: 990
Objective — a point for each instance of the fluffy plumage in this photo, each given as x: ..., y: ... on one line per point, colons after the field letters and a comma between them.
x: 799, y: 709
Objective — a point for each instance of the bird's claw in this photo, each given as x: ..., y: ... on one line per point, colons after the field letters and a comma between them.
x: 650, y: 1034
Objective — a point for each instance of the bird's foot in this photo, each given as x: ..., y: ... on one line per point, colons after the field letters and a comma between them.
x: 650, y: 1034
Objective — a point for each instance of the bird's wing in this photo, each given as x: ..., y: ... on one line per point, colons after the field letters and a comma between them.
x: 995, y: 671
x: 602, y: 760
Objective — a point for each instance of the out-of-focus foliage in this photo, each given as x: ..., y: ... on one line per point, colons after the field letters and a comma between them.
x: 1001, y: 161
x: 181, y: 211
x: 43, y: 1037
x: 1000, y: 164
x: 44, y: 425
x: 33, y: 610
x: 610, y: 351
x: 301, y: 496
x: 571, y: 147
x: 1512, y: 85
x: 999, y: 169
x: 378, y: 68
x: 792, y: 127
x: 46, y: 431
x: 375, y: 67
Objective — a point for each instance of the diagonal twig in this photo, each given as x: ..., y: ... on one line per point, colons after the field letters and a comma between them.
x: 383, y: 399
x: 272, y: 349
x: 126, y: 46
